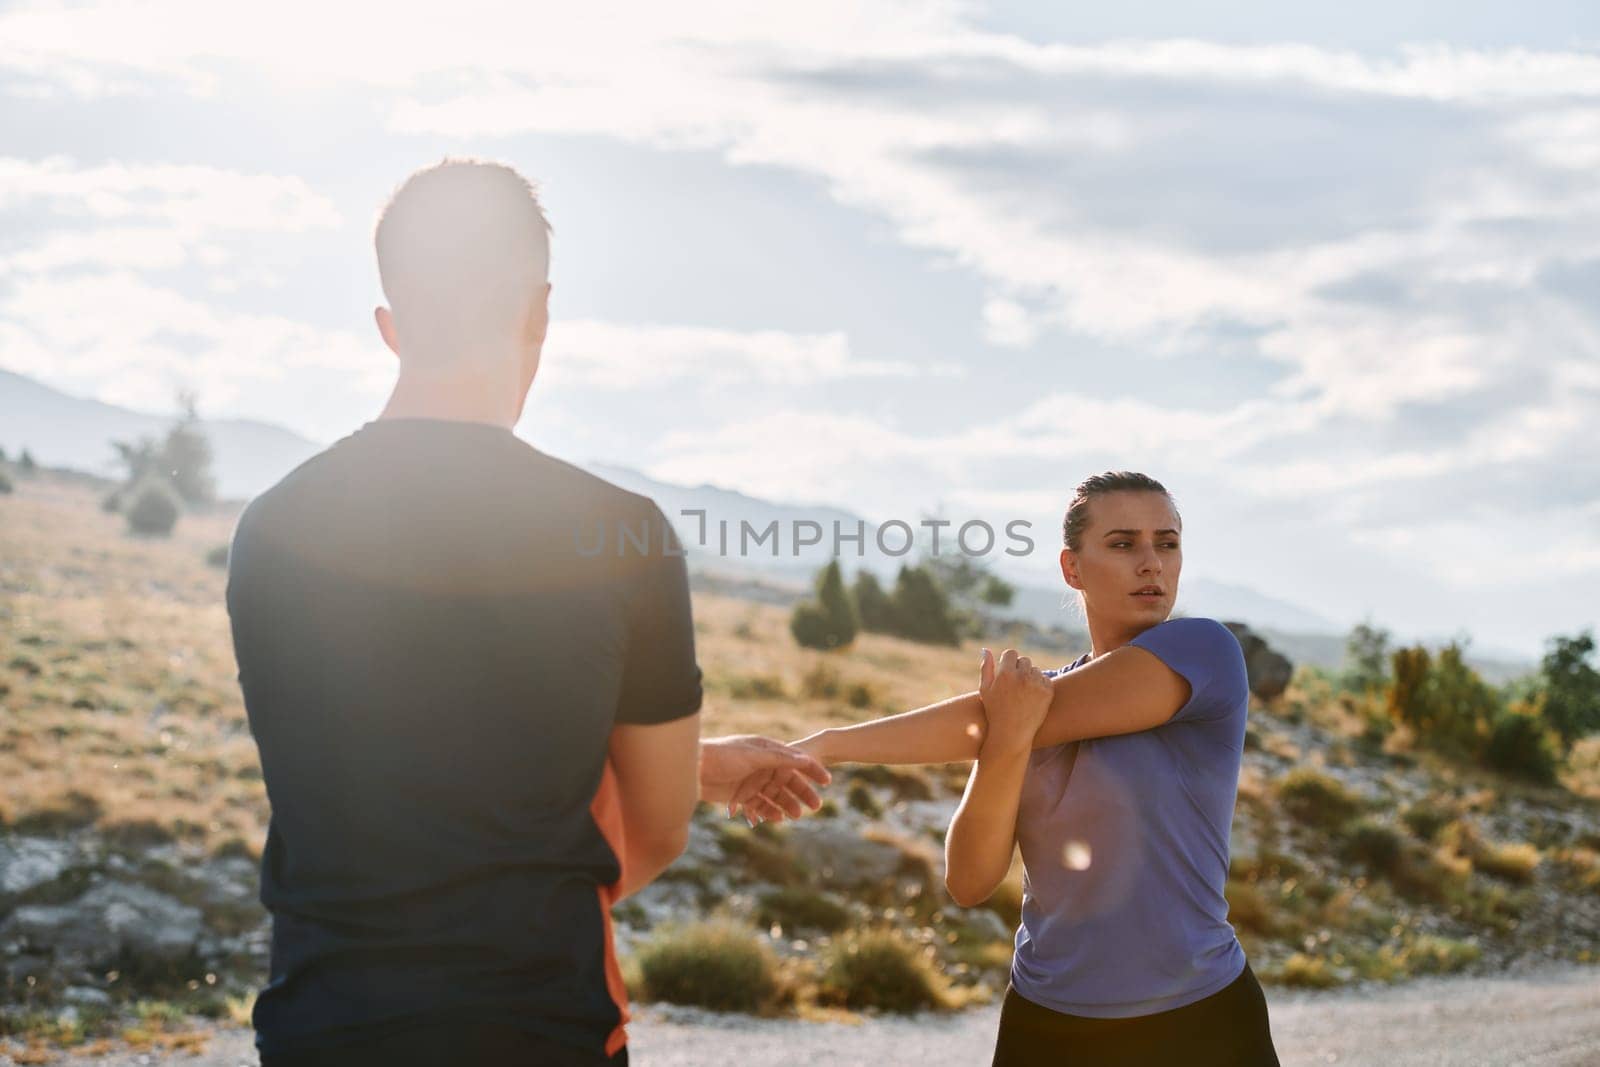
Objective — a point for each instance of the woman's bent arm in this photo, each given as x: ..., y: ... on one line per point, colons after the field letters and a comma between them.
x: 983, y: 832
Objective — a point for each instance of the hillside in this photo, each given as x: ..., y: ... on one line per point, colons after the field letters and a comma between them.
x: 133, y: 811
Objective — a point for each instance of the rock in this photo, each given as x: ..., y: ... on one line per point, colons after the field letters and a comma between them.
x: 1269, y: 671
x: 87, y: 996
x: 835, y: 855
x: 26, y: 862
x: 986, y: 924
x: 108, y: 922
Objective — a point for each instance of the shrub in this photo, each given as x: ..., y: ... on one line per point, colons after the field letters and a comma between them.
x: 716, y: 965
x: 861, y: 799
x: 1425, y: 820
x: 1248, y: 908
x: 879, y: 969
x: 859, y: 695
x: 1514, y: 862
x: 5, y: 484
x: 70, y: 811
x: 756, y: 687
x: 111, y: 503
x: 1309, y: 972
x: 1520, y: 745
x: 1373, y: 844
x: 1317, y: 799
x: 801, y: 908
x: 821, y: 682
x: 154, y: 510
x: 830, y: 620
x: 218, y: 556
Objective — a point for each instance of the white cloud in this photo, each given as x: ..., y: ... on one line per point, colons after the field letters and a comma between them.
x: 609, y: 355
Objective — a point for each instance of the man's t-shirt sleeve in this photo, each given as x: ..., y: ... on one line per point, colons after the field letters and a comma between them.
x: 1208, y: 656
x: 660, y: 678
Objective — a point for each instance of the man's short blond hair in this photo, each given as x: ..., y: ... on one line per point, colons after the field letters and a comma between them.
x: 463, y: 247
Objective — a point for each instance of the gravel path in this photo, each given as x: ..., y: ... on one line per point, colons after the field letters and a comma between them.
x: 1550, y: 1018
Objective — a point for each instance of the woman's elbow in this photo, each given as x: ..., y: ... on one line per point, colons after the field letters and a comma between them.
x: 967, y: 892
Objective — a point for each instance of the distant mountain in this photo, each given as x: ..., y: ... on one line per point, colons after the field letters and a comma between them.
x: 61, y: 430
x: 67, y: 431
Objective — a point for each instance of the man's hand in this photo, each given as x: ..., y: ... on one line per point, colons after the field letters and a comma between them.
x: 1016, y: 697
x: 780, y: 776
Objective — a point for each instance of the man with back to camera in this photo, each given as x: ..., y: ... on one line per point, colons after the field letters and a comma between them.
x: 477, y: 733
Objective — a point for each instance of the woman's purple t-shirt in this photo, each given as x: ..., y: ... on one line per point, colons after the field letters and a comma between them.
x: 1125, y: 846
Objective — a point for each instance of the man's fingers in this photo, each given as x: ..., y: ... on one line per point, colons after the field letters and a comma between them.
x: 1008, y: 660
x: 986, y: 670
x: 1024, y: 663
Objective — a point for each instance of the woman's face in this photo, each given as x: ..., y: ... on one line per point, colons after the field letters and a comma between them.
x: 1132, y: 543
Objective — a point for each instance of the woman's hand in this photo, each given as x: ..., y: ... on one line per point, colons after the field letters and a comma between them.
x: 1016, y: 696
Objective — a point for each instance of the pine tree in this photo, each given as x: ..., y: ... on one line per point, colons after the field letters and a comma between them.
x: 873, y: 605
x: 922, y: 610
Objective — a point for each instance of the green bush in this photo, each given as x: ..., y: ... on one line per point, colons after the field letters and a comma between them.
x: 6, y: 487
x: 1373, y: 844
x: 879, y: 969
x: 1317, y: 799
x: 716, y: 965
x: 1425, y: 820
x: 218, y: 556
x: 1520, y: 745
x: 800, y: 908
x: 829, y: 621
x: 861, y: 799
x: 154, y: 511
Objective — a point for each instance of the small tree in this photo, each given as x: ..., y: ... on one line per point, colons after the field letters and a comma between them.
x: 873, y: 605
x: 25, y: 463
x: 5, y: 484
x: 921, y: 609
x: 1443, y: 700
x: 1366, y: 658
x: 186, y: 455
x: 1571, y: 687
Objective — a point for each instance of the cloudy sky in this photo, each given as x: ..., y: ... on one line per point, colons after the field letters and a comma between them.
x: 1332, y: 277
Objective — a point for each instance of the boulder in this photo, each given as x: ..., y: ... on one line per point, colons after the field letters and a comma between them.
x: 110, y: 922
x: 1269, y: 670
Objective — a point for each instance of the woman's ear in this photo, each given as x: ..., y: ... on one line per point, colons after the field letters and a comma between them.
x: 1069, y: 568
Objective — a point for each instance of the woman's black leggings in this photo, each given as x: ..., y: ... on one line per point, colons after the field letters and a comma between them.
x: 1227, y: 1029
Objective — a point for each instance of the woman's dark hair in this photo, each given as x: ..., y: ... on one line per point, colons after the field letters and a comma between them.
x: 1077, y: 519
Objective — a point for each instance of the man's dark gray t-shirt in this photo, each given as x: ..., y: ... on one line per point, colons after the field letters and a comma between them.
x: 437, y: 627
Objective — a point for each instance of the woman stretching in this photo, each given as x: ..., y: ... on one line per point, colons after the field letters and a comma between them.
x: 1117, y: 776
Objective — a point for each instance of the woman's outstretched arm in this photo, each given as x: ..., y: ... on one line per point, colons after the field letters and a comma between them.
x: 1122, y: 692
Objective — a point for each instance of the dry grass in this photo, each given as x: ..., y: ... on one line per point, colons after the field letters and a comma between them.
x: 122, y: 709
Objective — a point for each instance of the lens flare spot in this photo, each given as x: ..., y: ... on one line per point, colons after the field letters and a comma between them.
x: 1075, y: 856
x: 973, y: 731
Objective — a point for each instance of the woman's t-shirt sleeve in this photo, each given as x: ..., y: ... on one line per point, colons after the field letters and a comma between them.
x: 1208, y: 656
